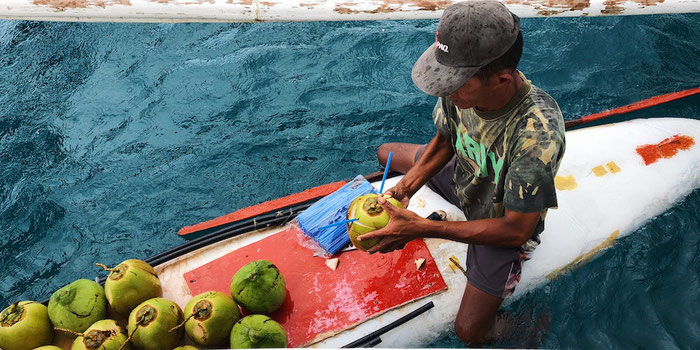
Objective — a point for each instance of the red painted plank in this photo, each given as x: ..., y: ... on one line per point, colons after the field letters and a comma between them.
x: 321, y: 302
x: 264, y: 207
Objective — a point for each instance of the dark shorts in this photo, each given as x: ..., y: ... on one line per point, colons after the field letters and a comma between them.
x: 493, y: 270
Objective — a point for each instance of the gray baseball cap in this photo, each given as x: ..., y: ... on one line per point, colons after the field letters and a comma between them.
x: 470, y: 35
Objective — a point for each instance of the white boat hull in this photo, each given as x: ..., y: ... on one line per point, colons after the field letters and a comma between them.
x: 307, y: 10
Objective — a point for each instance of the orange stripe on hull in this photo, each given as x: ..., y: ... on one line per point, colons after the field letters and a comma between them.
x: 665, y: 149
x: 650, y: 102
x: 265, y: 207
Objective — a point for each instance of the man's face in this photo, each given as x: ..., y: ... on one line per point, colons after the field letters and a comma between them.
x: 470, y: 94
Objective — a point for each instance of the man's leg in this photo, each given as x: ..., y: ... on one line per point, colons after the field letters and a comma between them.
x: 476, y: 317
x: 404, y: 155
x: 479, y: 322
x: 492, y: 275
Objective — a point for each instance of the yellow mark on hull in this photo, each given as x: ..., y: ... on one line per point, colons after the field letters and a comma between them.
x: 613, y: 167
x: 565, y: 183
x: 454, y: 265
x: 585, y: 257
x: 599, y: 171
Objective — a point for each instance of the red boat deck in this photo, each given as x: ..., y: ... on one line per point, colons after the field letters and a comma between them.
x: 322, y: 302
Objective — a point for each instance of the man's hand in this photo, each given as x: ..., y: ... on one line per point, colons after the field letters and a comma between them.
x: 399, y: 231
x: 400, y: 193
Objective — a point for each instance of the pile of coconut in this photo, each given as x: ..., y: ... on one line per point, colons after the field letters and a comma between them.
x: 211, y: 319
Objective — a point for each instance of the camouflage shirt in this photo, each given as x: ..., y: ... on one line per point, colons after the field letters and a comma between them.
x: 505, y: 158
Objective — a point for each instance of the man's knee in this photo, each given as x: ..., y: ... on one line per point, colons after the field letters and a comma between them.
x: 476, y: 316
x: 404, y: 155
x: 471, y: 334
x: 383, y: 153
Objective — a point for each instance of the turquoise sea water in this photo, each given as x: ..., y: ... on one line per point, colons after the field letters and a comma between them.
x: 113, y: 136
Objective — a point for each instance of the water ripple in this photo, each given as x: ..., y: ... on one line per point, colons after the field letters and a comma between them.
x: 113, y: 136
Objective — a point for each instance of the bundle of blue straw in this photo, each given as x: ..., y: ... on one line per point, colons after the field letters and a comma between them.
x: 326, y: 220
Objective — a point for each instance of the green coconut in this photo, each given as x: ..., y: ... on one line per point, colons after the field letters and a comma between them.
x: 259, y: 287
x: 103, y: 335
x: 48, y: 347
x: 186, y: 347
x: 370, y: 217
x: 131, y: 283
x: 210, y: 317
x: 258, y: 331
x: 150, y: 324
x: 78, y: 305
x: 25, y: 325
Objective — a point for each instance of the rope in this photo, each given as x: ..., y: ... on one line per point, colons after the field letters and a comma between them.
x: 182, y: 324
x: 104, y: 267
x: 650, y: 102
x: 121, y: 347
x: 71, y: 332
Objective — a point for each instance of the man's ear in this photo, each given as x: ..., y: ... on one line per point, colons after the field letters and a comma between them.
x: 503, y: 77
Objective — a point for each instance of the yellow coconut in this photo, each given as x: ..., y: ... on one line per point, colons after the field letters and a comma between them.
x: 259, y: 287
x: 25, y: 325
x: 78, y: 305
x: 370, y: 217
x: 258, y: 332
x: 102, y: 335
x: 131, y: 283
x: 153, y: 324
x: 210, y: 317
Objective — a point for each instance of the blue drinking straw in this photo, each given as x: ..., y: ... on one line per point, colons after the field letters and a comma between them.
x: 386, y: 171
x: 336, y: 224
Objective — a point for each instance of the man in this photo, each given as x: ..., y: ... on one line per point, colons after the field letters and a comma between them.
x: 498, y: 146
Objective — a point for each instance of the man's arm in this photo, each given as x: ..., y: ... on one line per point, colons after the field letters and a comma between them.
x: 436, y: 154
x: 511, y: 230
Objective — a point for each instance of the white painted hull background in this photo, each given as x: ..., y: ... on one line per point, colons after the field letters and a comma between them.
x: 587, y: 216
x: 309, y: 10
